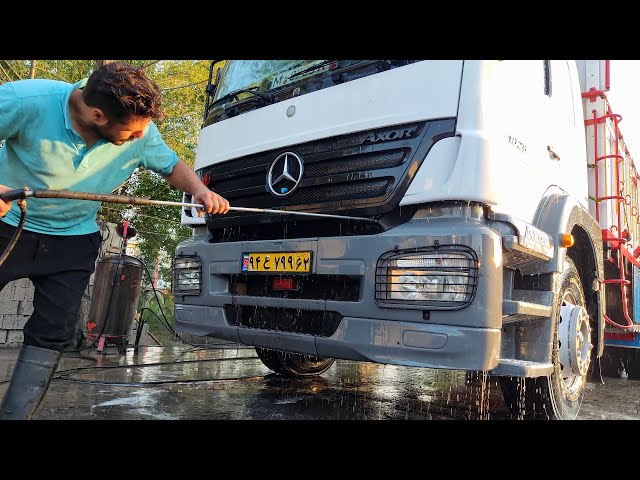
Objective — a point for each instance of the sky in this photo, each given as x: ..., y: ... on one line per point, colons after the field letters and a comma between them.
x: 624, y: 99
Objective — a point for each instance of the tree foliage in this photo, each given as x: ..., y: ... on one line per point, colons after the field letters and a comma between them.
x: 183, y: 85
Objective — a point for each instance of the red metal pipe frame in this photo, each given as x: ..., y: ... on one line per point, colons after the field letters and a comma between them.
x: 617, y: 165
x: 623, y: 285
x: 622, y: 281
x: 595, y: 152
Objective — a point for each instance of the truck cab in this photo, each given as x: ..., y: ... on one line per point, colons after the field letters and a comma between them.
x: 460, y: 234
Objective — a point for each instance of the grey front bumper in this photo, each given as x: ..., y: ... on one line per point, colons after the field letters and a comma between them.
x: 466, y: 339
x: 361, y: 339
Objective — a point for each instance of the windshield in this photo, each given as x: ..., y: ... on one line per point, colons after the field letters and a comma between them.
x: 267, y: 74
x: 246, y: 85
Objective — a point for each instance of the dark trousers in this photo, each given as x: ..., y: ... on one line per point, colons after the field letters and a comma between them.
x: 59, y: 267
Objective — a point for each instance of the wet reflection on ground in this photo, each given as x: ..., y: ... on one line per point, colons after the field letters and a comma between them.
x: 230, y: 382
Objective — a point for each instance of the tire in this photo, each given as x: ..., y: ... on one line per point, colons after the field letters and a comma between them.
x: 293, y: 364
x: 559, y: 395
x: 632, y: 364
x: 612, y: 363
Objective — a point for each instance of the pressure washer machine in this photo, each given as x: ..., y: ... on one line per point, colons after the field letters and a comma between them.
x: 115, y: 297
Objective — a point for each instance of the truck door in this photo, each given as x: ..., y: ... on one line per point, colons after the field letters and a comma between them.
x: 567, y: 144
x: 520, y: 121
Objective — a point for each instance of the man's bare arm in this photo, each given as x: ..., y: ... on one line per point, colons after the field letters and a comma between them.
x: 185, y: 179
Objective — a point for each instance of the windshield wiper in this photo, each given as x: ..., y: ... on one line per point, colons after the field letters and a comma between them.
x: 312, y: 68
x: 231, y: 95
x: 353, y: 66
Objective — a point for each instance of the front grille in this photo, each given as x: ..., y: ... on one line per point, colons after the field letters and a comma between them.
x: 319, y: 323
x: 360, y: 174
x: 264, y: 230
x: 234, y: 186
x: 369, y: 161
x: 361, y: 189
x: 310, y: 287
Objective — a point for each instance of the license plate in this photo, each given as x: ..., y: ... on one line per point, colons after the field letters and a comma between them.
x: 277, y: 262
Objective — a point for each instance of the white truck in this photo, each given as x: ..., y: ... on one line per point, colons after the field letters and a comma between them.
x: 481, y: 216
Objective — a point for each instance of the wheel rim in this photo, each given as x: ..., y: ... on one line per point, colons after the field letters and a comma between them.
x: 574, y: 336
x: 306, y: 362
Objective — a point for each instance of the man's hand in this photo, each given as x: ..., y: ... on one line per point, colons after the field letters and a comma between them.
x: 185, y: 179
x: 213, y: 203
x: 6, y: 206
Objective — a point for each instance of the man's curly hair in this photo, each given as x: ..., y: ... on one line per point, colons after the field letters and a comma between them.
x: 121, y: 90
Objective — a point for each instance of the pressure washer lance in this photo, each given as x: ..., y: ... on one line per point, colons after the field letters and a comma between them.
x: 96, y: 197
x: 22, y: 194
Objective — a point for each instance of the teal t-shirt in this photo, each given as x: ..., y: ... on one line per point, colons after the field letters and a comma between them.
x: 43, y: 151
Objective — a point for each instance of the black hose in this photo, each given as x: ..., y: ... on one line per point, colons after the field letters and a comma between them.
x: 23, y: 216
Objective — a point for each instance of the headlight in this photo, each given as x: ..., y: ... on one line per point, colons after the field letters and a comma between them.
x: 187, y: 272
x: 443, y: 278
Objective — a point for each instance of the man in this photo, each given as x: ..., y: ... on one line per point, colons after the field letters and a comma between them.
x: 89, y: 136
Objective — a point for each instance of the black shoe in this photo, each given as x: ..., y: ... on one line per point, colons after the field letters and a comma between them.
x: 29, y: 383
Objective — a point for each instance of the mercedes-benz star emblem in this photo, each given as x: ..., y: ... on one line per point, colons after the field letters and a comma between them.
x: 285, y: 174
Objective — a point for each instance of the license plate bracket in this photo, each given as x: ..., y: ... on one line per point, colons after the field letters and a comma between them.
x: 276, y: 262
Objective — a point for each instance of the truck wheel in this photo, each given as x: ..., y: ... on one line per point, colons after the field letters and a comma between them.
x: 632, y: 364
x: 611, y: 363
x: 293, y: 364
x: 558, y: 396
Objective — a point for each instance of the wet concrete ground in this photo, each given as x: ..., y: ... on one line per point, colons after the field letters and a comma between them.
x: 229, y: 382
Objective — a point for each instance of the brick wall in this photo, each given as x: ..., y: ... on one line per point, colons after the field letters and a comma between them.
x: 16, y: 305
x: 16, y: 298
